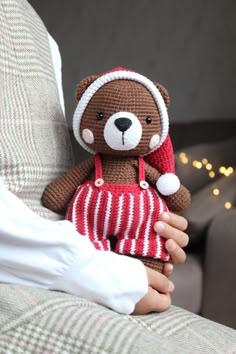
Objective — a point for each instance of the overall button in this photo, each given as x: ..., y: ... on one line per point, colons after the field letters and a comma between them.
x: 144, y: 184
x: 99, y: 182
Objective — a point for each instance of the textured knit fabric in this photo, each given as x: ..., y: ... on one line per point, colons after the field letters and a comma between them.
x: 129, y: 77
x: 125, y: 211
x: 131, y: 120
x: 39, y: 321
x: 122, y: 95
x: 36, y: 147
x: 163, y: 158
x: 152, y: 263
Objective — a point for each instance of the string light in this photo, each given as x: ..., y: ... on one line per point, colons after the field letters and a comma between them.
x: 226, y: 171
x: 222, y: 170
x: 208, y: 166
x: 182, y: 154
x: 197, y: 164
x: 211, y: 174
x: 184, y: 159
x: 216, y: 191
x: 228, y: 205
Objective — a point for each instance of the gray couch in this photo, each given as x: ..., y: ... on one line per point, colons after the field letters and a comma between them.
x: 205, y: 284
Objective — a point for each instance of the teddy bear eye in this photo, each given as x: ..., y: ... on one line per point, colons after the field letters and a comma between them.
x: 100, y: 116
x: 148, y: 120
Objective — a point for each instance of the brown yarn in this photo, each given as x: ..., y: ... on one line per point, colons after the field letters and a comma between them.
x: 118, y: 166
x: 118, y: 96
x: 59, y: 193
x: 179, y: 201
x: 83, y: 85
x: 164, y: 93
x: 155, y: 264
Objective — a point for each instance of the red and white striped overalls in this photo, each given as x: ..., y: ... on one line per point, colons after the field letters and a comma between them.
x: 127, y: 211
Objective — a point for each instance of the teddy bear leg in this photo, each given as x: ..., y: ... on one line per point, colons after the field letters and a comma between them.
x: 156, y: 264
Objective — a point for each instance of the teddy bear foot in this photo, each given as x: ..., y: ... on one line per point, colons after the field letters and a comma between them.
x: 156, y: 264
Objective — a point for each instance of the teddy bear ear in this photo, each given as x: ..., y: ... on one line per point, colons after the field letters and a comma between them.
x: 164, y: 93
x: 83, y: 85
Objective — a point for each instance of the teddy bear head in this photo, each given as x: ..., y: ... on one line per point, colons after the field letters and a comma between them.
x: 121, y: 113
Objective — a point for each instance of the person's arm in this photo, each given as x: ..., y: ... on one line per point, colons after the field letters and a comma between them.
x: 52, y: 255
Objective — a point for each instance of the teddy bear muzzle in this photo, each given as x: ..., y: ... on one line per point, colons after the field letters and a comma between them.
x: 123, y: 131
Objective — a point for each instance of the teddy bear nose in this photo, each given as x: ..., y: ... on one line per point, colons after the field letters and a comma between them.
x: 123, y: 124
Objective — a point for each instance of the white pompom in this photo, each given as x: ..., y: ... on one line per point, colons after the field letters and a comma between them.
x: 168, y: 184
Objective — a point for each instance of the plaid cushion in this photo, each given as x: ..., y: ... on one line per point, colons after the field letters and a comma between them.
x: 36, y: 147
x: 39, y: 321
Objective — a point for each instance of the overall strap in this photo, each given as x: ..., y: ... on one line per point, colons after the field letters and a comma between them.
x: 98, y: 170
x: 141, y: 173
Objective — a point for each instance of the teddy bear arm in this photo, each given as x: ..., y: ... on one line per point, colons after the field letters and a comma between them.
x: 179, y: 200
x: 151, y: 174
x: 58, y: 193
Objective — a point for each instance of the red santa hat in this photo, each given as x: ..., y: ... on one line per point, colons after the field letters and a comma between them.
x: 163, y: 159
x: 162, y: 156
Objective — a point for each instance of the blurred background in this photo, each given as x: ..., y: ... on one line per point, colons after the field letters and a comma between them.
x: 189, y: 47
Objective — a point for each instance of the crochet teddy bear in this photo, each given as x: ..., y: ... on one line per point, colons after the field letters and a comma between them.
x: 122, y: 119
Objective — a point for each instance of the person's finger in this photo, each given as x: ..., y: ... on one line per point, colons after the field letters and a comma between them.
x: 152, y: 301
x: 162, y: 303
x: 177, y: 221
x: 168, y: 269
x: 159, y: 281
x: 177, y: 254
x: 158, y: 302
x: 170, y: 232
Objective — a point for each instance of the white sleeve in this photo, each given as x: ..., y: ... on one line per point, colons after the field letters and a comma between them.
x: 41, y: 253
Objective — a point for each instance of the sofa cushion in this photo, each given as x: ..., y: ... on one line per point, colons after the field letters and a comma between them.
x: 205, y: 205
x: 39, y: 321
x: 188, y: 278
x: 36, y: 147
x: 219, y: 296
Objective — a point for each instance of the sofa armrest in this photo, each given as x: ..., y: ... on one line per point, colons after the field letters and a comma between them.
x: 39, y: 321
x: 206, y: 206
x: 220, y: 267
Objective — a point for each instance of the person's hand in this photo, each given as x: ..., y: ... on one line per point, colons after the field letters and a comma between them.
x: 171, y: 227
x: 157, y: 298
